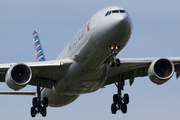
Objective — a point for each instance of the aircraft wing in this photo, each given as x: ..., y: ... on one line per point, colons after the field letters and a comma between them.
x: 47, y: 71
x: 138, y: 67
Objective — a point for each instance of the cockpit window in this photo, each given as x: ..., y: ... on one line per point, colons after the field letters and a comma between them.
x: 108, y: 13
x: 122, y: 11
x: 114, y: 11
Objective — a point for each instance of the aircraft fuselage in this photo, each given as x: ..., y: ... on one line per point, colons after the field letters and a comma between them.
x: 99, y: 40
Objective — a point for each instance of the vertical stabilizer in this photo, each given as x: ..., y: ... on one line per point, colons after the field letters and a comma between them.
x: 37, y: 47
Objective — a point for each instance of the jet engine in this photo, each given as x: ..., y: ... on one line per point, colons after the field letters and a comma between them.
x: 18, y: 76
x: 160, y: 71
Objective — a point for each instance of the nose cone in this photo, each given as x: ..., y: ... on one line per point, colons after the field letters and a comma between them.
x: 117, y: 29
x: 120, y: 22
x: 113, y: 28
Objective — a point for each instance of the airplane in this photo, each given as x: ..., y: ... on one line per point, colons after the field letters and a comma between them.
x: 87, y: 64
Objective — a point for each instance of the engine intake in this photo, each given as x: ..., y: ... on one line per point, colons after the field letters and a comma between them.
x: 18, y: 76
x: 160, y: 71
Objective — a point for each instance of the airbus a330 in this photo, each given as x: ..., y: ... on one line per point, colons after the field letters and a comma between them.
x: 87, y: 64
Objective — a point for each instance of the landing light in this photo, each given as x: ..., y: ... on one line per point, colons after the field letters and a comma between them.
x: 116, y: 47
x: 61, y: 63
x: 112, y: 47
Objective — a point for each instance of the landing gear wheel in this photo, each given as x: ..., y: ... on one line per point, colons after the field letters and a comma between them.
x: 117, y: 62
x: 115, y: 99
x: 43, y: 111
x: 39, y: 105
x: 124, y: 108
x: 33, y: 112
x: 45, y: 102
x: 112, y: 63
x: 35, y: 102
x: 113, y: 109
x: 126, y: 98
x: 120, y: 102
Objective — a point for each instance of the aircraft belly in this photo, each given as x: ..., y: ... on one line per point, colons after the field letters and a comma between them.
x: 58, y: 100
x: 80, y: 80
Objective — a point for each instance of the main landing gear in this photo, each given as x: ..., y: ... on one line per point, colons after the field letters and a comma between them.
x: 38, y: 105
x: 119, y: 102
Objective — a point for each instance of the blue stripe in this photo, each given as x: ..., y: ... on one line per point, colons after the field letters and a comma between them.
x: 39, y: 54
x: 38, y: 48
x: 37, y: 43
x: 36, y: 38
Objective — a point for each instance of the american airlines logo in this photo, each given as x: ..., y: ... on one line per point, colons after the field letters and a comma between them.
x: 79, y: 36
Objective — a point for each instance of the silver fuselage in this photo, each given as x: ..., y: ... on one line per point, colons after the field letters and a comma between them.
x: 90, y: 51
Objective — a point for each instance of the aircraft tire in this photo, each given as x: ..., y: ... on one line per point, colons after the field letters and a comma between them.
x: 126, y: 98
x: 117, y: 62
x: 45, y: 102
x: 34, y: 102
x: 113, y: 109
x: 43, y: 111
x: 124, y: 108
x: 112, y: 63
x: 115, y: 99
x: 33, y: 112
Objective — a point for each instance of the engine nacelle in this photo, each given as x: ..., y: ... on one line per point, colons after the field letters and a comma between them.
x: 160, y: 71
x: 18, y: 76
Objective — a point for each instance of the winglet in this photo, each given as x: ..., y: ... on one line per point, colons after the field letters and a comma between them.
x: 37, y: 47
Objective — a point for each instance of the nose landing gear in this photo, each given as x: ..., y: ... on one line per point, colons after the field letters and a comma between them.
x: 114, y: 60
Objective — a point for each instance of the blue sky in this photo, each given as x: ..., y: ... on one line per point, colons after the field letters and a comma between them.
x: 156, y: 33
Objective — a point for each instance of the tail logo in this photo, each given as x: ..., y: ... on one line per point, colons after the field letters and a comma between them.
x: 37, y: 47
